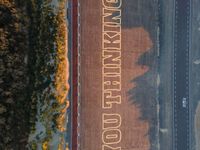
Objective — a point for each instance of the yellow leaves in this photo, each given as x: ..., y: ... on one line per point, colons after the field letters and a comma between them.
x: 59, y: 86
x: 61, y: 80
x: 45, y: 145
x: 62, y: 71
x: 61, y: 120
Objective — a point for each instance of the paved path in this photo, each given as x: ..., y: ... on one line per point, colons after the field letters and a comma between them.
x: 181, y: 75
x: 74, y: 73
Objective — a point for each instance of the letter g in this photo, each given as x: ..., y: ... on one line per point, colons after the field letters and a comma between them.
x: 112, y: 3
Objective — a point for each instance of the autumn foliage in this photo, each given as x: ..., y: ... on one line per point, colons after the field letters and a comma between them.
x: 33, y: 74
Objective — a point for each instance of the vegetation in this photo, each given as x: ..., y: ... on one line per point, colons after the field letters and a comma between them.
x: 13, y: 75
x: 34, y: 74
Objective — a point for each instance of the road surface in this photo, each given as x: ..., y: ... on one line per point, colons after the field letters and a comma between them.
x: 181, y: 75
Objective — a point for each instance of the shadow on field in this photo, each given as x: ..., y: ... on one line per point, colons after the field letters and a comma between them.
x: 142, y: 13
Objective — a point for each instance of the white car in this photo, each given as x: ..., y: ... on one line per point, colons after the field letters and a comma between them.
x: 184, y: 102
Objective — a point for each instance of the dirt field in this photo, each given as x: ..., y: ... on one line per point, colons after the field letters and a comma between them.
x: 136, y: 44
x: 197, y: 126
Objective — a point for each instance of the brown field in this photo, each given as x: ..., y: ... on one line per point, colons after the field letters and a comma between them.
x: 135, y: 42
x: 197, y: 126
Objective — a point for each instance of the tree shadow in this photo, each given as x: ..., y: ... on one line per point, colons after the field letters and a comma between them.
x: 144, y: 94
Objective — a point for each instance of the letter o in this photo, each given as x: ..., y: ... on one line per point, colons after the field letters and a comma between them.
x: 111, y: 136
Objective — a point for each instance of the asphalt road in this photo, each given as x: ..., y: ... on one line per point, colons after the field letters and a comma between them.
x: 181, y: 75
